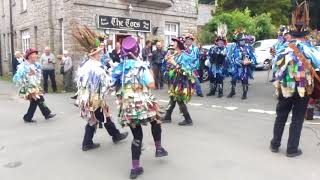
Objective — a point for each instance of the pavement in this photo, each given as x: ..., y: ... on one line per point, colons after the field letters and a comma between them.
x: 229, y: 141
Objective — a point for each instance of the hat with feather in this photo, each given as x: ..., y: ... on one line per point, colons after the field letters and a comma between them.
x: 88, y: 40
x: 221, y: 33
x: 238, y: 35
x: 300, y: 20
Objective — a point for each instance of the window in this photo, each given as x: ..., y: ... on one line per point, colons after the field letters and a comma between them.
x: 171, y: 31
x: 25, y: 36
x: 24, y: 5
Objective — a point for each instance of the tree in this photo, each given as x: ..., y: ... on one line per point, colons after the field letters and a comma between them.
x: 279, y: 9
x: 260, y: 26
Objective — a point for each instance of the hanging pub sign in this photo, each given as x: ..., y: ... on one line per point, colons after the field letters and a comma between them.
x: 127, y: 24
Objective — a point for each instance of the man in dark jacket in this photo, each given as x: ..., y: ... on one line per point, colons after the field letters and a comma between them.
x: 147, y: 51
x: 116, y: 53
x: 157, y: 57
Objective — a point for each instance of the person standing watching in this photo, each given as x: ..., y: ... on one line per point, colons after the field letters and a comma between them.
x: 116, y: 53
x: 67, y: 71
x: 18, y: 59
x: 157, y: 57
x: 48, y: 62
x: 147, y: 51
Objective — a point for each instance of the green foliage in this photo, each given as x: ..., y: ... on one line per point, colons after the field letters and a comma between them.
x: 204, y: 37
x: 279, y: 9
x: 260, y: 26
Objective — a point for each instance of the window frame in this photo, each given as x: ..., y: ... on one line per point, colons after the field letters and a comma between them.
x: 25, y: 40
x: 24, y: 5
x: 169, y: 34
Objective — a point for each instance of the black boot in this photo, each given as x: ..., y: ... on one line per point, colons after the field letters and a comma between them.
x: 161, y: 152
x: 87, y: 143
x: 213, y: 88
x: 119, y: 137
x: 171, y: 106
x: 220, y: 90
x: 245, y: 91
x: 233, y: 91
x: 187, y: 119
x: 136, y: 172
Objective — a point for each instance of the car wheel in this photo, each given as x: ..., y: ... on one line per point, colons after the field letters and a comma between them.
x: 267, y: 64
x: 205, y: 76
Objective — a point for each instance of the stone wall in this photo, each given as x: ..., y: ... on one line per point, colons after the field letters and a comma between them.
x: 43, y: 21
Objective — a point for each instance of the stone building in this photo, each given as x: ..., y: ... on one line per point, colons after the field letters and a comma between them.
x: 40, y: 23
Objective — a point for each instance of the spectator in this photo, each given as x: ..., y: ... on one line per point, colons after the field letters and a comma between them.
x: 18, y: 59
x: 116, y: 53
x: 48, y: 62
x: 157, y: 57
x: 147, y: 51
x: 67, y: 69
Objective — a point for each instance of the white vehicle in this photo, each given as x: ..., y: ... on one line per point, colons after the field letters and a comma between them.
x: 262, y: 50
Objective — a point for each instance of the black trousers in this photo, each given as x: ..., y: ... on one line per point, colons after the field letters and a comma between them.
x: 182, y: 107
x: 33, y: 107
x: 46, y: 75
x: 90, y: 130
x: 138, y: 136
x: 298, y: 106
x: 158, y: 75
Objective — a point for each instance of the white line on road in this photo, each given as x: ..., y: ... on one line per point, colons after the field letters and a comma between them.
x: 215, y: 106
x: 231, y: 108
x: 195, y: 104
x: 261, y: 111
x: 161, y: 100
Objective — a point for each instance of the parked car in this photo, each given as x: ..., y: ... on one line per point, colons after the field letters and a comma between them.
x: 262, y: 49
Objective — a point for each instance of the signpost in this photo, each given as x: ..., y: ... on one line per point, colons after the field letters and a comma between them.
x: 126, y: 24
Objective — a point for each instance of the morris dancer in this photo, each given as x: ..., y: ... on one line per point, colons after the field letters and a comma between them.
x: 93, y: 84
x: 194, y: 52
x: 241, y: 61
x: 296, y: 79
x: 216, y: 62
x: 28, y: 78
x: 133, y: 81
x: 182, y: 82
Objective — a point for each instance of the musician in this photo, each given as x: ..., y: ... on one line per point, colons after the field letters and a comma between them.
x: 215, y: 63
x: 295, y: 67
x: 182, y: 82
x: 241, y: 64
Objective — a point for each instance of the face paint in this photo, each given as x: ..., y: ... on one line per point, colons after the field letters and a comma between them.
x: 220, y: 43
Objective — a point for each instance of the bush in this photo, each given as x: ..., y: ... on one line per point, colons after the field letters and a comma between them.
x: 204, y: 37
x: 260, y: 26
